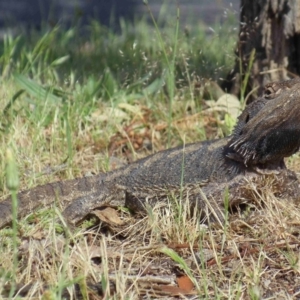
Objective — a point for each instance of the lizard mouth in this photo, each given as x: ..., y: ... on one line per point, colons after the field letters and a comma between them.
x: 268, y: 168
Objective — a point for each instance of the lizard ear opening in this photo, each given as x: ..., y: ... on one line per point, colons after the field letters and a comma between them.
x: 247, y: 119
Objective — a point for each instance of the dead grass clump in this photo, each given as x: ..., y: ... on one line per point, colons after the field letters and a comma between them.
x: 166, y: 254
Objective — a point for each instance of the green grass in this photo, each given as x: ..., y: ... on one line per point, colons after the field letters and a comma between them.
x: 121, y: 60
x: 76, y: 104
x: 73, y: 99
x: 63, y: 81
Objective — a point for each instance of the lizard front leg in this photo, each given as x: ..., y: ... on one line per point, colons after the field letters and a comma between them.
x: 139, y: 198
x: 82, y: 206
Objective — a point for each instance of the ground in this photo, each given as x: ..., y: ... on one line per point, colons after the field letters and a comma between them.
x: 72, y: 108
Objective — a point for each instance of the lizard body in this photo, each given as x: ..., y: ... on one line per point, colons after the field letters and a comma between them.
x: 194, y: 170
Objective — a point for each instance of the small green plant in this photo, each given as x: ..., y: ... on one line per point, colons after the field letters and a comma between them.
x: 246, y: 77
x: 12, y: 182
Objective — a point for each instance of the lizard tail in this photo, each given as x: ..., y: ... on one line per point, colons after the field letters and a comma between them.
x: 42, y: 196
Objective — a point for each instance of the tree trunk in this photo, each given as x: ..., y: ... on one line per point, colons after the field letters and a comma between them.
x: 272, y: 28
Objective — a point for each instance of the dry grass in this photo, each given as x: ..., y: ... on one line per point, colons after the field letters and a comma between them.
x: 256, y: 256
x: 167, y: 254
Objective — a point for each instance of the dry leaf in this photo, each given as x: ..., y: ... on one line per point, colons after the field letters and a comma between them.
x: 133, y: 109
x: 172, y: 290
x: 108, y: 215
x: 226, y: 103
x: 185, y: 283
x: 231, y: 103
x: 110, y: 113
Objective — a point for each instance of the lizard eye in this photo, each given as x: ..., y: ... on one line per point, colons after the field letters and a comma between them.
x: 269, y: 92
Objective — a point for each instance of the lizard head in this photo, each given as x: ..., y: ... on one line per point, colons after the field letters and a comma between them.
x: 269, y: 128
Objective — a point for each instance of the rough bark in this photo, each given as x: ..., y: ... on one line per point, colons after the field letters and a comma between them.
x: 272, y: 28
